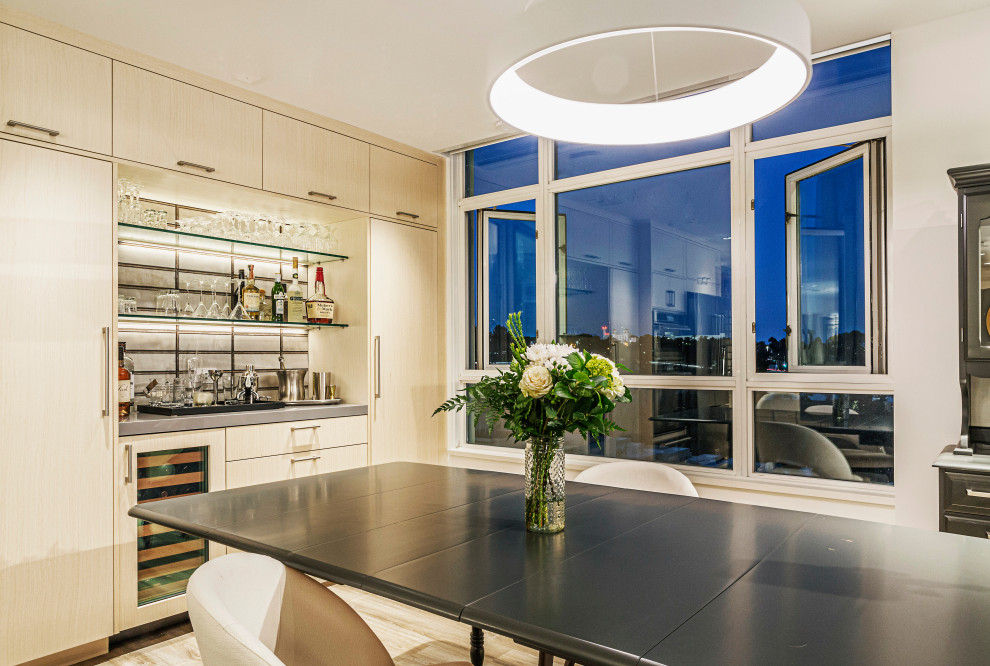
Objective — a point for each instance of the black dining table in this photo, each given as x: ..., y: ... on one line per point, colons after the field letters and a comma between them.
x: 635, y: 578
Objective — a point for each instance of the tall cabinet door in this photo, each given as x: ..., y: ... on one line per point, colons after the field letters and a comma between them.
x: 56, y: 413
x: 406, y: 376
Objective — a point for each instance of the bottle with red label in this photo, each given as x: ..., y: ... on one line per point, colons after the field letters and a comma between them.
x: 319, y: 306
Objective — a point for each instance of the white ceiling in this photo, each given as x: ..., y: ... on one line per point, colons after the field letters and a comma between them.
x: 412, y: 70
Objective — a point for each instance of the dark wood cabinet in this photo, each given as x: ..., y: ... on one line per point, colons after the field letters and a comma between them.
x: 964, y: 494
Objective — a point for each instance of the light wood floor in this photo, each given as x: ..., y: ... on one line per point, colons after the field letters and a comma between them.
x: 413, y: 638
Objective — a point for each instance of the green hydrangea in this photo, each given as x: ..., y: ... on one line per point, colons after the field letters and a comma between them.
x: 599, y: 367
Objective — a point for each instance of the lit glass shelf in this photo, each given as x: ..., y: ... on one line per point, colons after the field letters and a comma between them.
x: 173, y: 239
x: 199, y: 321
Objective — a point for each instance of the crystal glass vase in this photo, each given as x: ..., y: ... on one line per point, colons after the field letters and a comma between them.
x: 545, y: 485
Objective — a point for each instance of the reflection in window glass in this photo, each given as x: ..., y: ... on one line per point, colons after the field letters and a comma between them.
x: 501, y: 278
x: 643, y: 272
x: 577, y: 159
x: 843, y: 436
x: 501, y: 166
x: 831, y: 305
x: 770, y: 247
x: 842, y: 90
x: 673, y: 426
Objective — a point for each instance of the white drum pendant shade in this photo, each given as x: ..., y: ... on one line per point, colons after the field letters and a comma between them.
x: 553, y: 25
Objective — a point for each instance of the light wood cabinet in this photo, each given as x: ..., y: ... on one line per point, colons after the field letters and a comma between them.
x: 406, y: 380
x: 667, y: 253
x: 56, y: 491
x: 295, y: 437
x: 170, y: 124
x: 49, y: 87
x: 153, y: 562
x: 306, y: 161
x: 403, y: 187
x: 253, y: 471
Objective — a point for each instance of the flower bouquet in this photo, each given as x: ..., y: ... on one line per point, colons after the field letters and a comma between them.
x: 548, y: 390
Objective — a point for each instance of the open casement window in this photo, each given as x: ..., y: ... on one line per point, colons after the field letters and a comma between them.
x: 504, y: 281
x: 835, y: 263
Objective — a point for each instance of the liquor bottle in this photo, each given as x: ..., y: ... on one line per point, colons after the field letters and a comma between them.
x: 278, y: 298
x: 319, y: 307
x: 251, y: 296
x: 123, y: 386
x: 129, y: 364
x: 295, y: 304
x: 266, y: 306
x: 235, y: 293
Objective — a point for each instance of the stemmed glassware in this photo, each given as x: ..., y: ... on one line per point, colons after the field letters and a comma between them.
x: 201, y: 309
x: 228, y: 284
x: 189, y: 310
x: 215, y: 312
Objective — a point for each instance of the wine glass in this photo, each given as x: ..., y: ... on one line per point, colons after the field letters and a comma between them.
x: 214, y: 312
x: 189, y: 310
x: 228, y: 285
x: 201, y: 309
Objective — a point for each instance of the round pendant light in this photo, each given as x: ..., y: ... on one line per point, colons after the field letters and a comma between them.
x: 555, y: 25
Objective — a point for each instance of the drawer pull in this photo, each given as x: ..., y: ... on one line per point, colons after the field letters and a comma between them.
x: 312, y: 427
x: 321, y: 194
x: 977, y: 493
x: 15, y: 123
x: 207, y: 169
x: 295, y: 460
x: 399, y: 213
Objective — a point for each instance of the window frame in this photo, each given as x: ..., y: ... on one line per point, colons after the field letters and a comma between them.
x: 872, y: 322
x: 744, y: 381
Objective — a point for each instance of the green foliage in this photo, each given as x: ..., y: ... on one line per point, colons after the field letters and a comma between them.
x: 578, y: 401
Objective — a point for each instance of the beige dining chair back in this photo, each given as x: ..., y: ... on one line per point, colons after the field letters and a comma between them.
x: 800, y: 447
x: 639, y: 475
x: 252, y: 610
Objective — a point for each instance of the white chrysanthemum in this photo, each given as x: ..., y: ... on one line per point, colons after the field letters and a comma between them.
x: 615, y: 387
x: 550, y: 356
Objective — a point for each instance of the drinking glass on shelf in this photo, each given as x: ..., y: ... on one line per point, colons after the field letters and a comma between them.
x: 190, y: 309
x: 201, y: 309
x: 228, y: 285
x: 171, y: 303
x: 122, y: 201
x: 214, y: 312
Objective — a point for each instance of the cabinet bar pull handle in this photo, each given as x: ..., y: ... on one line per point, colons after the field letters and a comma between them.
x: 207, y: 169
x: 295, y: 460
x: 104, y: 372
x: 321, y: 194
x: 977, y: 493
x: 413, y: 216
x: 312, y: 427
x: 15, y: 123
x: 130, y: 464
x: 378, y: 366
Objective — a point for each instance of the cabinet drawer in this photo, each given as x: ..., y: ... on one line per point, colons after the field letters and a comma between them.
x: 968, y: 527
x: 164, y: 122
x: 53, y: 87
x: 306, y: 161
x: 274, y: 439
x: 403, y: 187
x: 967, y: 493
x: 251, y: 472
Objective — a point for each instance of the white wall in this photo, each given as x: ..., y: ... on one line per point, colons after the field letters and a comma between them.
x: 941, y: 119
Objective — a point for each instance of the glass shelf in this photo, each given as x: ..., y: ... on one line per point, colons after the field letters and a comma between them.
x: 137, y: 318
x: 173, y: 239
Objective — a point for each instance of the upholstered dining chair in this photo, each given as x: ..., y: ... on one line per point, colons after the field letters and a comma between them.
x: 252, y: 610
x: 639, y: 475
x: 800, y: 447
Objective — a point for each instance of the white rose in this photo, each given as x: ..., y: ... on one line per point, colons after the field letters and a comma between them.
x: 536, y: 381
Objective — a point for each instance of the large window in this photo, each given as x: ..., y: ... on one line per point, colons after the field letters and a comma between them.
x: 740, y: 278
x: 818, y: 249
x: 502, y: 278
x: 643, y: 272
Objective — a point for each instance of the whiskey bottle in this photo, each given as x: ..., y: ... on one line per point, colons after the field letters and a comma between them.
x: 251, y: 296
x: 319, y: 307
x: 295, y: 303
x: 278, y: 298
x: 123, y: 386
